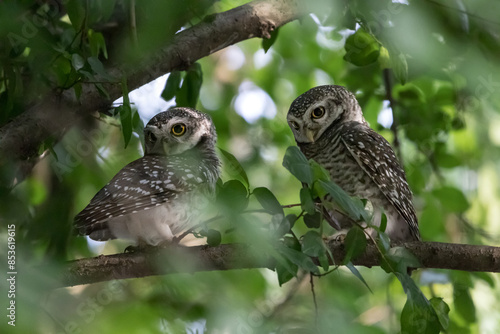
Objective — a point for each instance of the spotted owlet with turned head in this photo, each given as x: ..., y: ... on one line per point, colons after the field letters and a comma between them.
x: 329, y: 127
x: 162, y: 194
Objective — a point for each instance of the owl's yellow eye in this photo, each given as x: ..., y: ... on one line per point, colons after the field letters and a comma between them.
x: 295, y: 125
x: 318, y: 112
x: 178, y: 129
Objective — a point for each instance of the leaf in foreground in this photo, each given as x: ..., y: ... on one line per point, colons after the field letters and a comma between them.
x: 233, y: 167
x: 295, y: 161
x: 268, y: 201
x: 355, y: 243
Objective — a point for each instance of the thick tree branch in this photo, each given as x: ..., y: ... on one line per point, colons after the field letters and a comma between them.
x: 21, y: 138
x: 235, y: 256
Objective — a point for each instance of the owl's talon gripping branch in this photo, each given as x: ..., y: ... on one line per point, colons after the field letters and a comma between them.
x: 162, y: 194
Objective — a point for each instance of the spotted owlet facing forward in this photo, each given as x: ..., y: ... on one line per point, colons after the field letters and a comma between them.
x: 162, y: 194
x: 329, y: 127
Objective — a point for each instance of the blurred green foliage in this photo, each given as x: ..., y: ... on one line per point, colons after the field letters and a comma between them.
x: 439, y: 63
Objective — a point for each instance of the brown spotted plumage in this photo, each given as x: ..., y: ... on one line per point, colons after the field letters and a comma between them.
x: 160, y: 195
x: 329, y: 127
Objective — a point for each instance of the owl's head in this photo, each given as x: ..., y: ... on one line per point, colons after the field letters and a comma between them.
x: 178, y: 130
x: 321, y: 108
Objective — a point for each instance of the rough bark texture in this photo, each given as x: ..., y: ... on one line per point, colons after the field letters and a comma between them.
x: 235, y: 256
x: 21, y: 138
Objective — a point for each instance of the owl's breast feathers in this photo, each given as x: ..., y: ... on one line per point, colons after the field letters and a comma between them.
x: 376, y: 157
x: 143, y: 184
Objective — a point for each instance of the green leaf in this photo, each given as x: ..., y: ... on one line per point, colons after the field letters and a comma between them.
x: 313, y: 221
x: 300, y: 259
x: 383, y: 223
x: 232, y: 197
x: 77, y: 61
x: 268, y: 201
x: 97, y: 44
x: 463, y: 303
x: 138, y: 125
x: 399, y: 259
x: 285, y: 269
x: 433, y: 215
x: 285, y: 273
x: 313, y: 245
x: 102, y: 91
x: 323, y: 261
x: 292, y: 218
x: 292, y: 242
x: 98, y: 67
x: 286, y: 225
x: 126, y: 113
x: 268, y: 42
x: 446, y: 160
x: 171, y: 86
x: 361, y: 48
x: 384, y: 241
x: 35, y: 190
x: 356, y: 273
x: 355, y: 243
x: 189, y: 92
x: 307, y: 201
x: 106, y: 9
x: 399, y: 67
x: 78, y: 90
x: 418, y: 316
x: 213, y: 238
x: 297, y: 164
x: 76, y: 13
x: 126, y: 121
x: 442, y: 309
x: 452, y: 199
x: 410, y: 93
x: 233, y: 167
x: 485, y: 277
x: 405, y: 257
x: 62, y: 68
x: 354, y: 208
x: 319, y: 172
x: 384, y: 58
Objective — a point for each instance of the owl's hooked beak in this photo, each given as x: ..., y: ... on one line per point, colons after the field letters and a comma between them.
x: 310, y: 135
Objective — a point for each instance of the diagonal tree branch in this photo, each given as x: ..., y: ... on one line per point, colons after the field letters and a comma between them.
x: 237, y: 256
x: 56, y: 113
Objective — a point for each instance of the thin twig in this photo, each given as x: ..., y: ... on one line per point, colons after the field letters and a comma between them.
x: 191, y: 230
x: 394, y: 126
x: 291, y: 292
x: 311, y: 282
x: 382, y: 254
x: 477, y: 230
x: 298, y: 217
x: 463, y: 11
x: 288, y: 206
